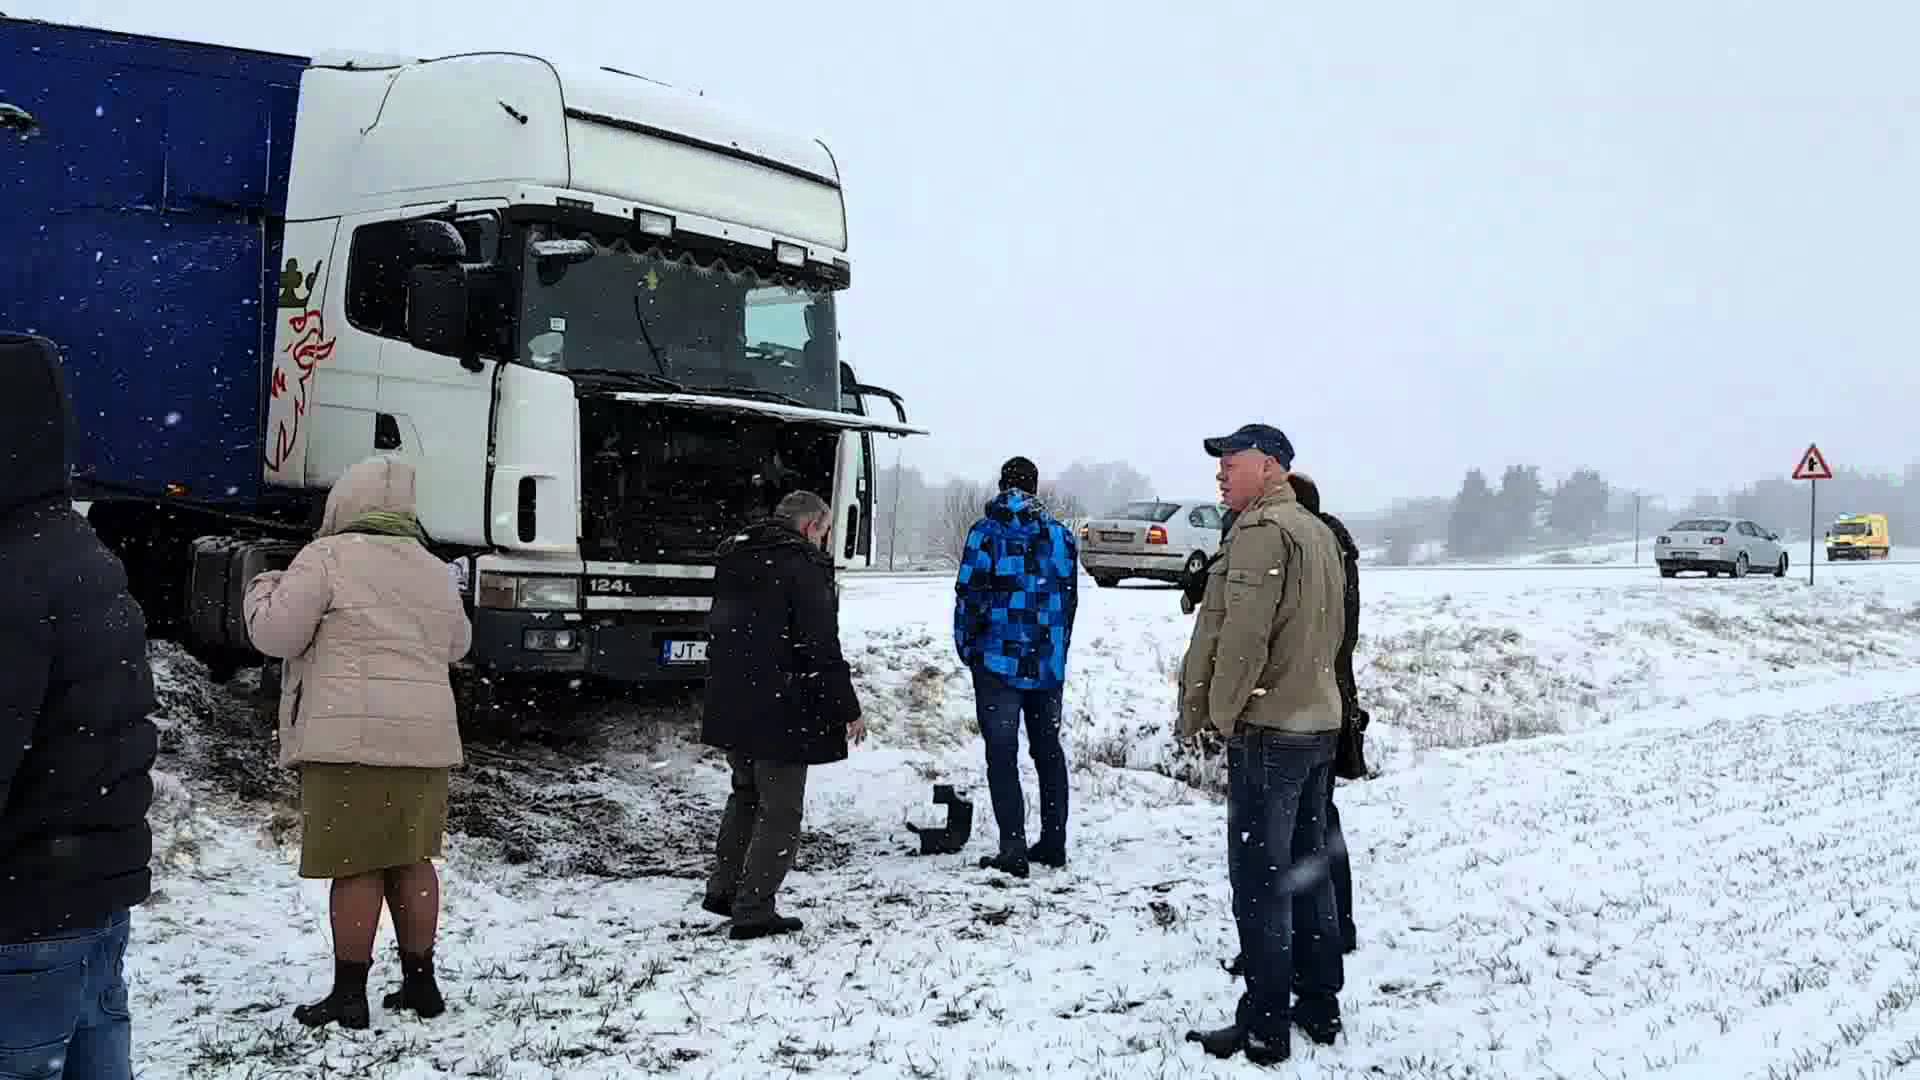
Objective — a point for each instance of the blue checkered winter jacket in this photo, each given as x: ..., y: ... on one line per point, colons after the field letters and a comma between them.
x: 1016, y: 594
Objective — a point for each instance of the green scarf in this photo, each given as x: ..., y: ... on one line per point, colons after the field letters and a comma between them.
x: 400, y: 523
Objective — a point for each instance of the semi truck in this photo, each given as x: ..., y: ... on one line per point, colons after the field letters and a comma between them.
x: 596, y: 314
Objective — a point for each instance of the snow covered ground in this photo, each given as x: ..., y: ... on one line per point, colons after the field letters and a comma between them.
x: 1708, y: 874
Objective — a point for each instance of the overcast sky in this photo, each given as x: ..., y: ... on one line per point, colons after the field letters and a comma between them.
x: 1672, y: 241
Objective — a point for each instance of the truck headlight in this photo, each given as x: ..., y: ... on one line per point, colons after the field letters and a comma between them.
x: 510, y: 591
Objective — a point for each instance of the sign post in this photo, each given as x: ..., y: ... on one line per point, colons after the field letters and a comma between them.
x: 1812, y: 468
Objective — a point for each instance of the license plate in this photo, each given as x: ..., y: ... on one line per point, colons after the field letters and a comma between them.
x: 683, y: 652
x: 1683, y: 554
x: 1116, y: 537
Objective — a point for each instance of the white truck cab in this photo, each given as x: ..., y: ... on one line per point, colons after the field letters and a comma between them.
x: 595, y: 313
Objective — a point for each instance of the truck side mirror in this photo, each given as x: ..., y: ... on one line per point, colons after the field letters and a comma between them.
x: 437, y: 311
x: 431, y: 241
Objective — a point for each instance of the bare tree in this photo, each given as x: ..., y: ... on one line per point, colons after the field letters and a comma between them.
x: 961, y: 504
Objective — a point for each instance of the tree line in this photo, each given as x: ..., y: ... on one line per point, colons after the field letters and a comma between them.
x: 921, y: 523
x: 1522, y: 512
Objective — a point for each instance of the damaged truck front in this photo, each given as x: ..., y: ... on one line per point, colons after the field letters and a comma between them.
x: 596, y: 314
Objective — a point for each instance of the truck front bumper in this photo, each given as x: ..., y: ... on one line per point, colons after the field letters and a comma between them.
x: 616, y: 646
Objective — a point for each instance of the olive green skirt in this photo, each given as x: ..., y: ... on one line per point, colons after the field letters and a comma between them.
x: 356, y: 819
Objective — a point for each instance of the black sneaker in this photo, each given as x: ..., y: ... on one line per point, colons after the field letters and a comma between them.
x: 1220, y: 1042
x: 1013, y: 865
x: 1319, y: 1018
x: 779, y: 924
x: 1265, y: 1052
x: 1048, y: 855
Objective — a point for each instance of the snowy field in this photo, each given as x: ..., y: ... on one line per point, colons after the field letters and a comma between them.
x: 1702, y: 866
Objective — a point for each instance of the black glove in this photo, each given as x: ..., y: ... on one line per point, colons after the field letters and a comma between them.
x: 1349, y: 756
x: 1194, y: 586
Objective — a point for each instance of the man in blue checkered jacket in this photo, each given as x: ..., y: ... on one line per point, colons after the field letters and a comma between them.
x: 1016, y: 596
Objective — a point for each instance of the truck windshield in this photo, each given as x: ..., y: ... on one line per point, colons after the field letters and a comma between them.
x: 596, y: 301
x: 1852, y: 528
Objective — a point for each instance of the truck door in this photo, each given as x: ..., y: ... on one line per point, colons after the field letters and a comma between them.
x: 434, y: 411
x: 853, y: 484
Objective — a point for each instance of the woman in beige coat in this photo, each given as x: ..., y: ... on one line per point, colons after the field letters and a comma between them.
x: 368, y: 621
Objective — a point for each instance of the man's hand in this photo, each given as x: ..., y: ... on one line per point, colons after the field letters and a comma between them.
x: 857, y: 732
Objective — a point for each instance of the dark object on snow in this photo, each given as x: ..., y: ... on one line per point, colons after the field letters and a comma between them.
x: 76, y: 744
x: 946, y: 839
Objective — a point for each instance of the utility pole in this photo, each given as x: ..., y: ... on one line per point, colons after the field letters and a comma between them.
x: 893, y: 515
x: 1636, y: 528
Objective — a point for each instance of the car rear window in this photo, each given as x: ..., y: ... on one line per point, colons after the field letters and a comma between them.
x: 1701, y: 525
x: 1149, y: 510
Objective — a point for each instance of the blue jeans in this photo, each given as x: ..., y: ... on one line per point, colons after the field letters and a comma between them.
x: 999, y: 708
x: 1277, y: 860
x: 63, y: 1006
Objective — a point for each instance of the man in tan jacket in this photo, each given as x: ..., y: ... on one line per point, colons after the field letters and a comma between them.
x: 1260, y: 674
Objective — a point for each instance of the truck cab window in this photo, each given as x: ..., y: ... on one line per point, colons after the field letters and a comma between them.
x: 377, y: 268
x: 377, y: 279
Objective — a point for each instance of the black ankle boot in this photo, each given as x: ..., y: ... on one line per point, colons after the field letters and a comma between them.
x: 346, y: 1005
x: 419, y: 992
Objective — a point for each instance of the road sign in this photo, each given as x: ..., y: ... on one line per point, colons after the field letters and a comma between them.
x: 1813, y: 466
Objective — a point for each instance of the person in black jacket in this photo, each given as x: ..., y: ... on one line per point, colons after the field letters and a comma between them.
x: 779, y: 698
x: 1349, y: 762
x: 76, y: 749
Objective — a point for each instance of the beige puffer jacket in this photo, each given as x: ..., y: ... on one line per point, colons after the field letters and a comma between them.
x: 368, y: 626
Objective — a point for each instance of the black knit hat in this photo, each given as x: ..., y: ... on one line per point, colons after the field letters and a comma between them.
x: 1019, y: 474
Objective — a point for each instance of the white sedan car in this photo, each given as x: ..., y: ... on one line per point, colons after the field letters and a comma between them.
x: 1159, y: 539
x: 1716, y: 545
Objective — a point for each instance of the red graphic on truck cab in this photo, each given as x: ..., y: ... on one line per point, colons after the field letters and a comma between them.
x: 310, y: 345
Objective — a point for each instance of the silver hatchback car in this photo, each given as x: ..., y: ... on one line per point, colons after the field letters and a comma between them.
x: 1717, y: 545
x: 1157, y: 539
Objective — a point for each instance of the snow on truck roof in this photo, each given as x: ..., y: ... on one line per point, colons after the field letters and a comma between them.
x: 613, y: 95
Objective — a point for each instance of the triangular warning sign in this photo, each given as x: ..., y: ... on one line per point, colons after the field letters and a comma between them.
x: 1813, y: 466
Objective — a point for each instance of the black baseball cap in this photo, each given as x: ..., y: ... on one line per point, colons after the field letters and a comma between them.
x: 1265, y: 438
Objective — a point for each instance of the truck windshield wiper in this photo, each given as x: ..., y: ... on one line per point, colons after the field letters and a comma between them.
x: 645, y: 378
x: 641, y: 317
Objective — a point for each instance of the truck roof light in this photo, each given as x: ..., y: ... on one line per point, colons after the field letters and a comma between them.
x: 789, y: 254
x: 654, y: 223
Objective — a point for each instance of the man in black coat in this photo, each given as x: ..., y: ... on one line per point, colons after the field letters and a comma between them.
x: 779, y: 698
x: 76, y: 747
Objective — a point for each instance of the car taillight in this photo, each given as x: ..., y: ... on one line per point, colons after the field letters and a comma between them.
x: 1083, y: 534
x: 1157, y: 535
x: 1716, y: 540
x: 1663, y: 540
